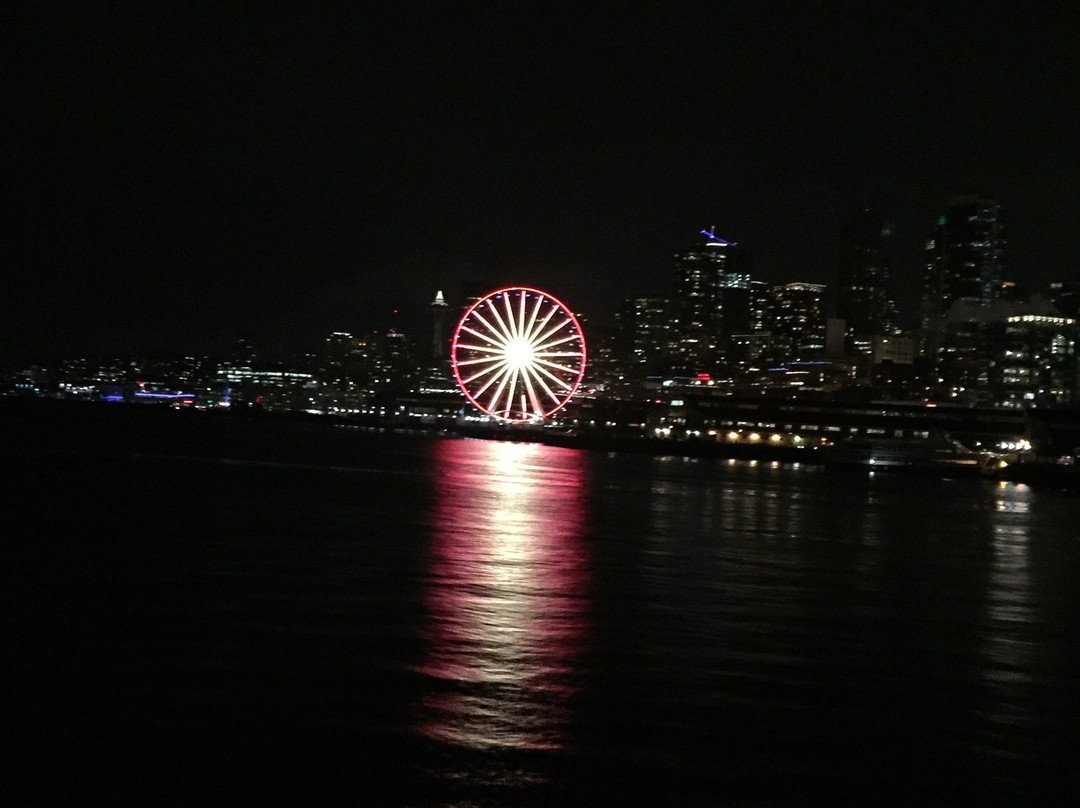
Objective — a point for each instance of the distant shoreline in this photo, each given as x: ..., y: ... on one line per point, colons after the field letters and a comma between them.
x: 16, y: 411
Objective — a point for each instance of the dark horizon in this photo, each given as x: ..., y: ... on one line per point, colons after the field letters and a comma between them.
x: 177, y: 180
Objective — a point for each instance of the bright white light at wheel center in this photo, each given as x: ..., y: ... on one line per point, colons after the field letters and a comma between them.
x: 519, y: 353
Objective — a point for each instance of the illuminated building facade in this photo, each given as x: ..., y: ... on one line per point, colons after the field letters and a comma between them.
x: 339, y: 358
x: 754, y: 342
x: 1036, y: 361
x: 707, y: 276
x: 392, y: 358
x: 796, y: 322
x: 1009, y: 354
x: 898, y: 350
x: 644, y: 335
x: 271, y: 387
x: 736, y: 304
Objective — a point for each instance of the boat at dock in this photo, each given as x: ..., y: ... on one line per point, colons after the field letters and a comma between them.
x: 941, y: 456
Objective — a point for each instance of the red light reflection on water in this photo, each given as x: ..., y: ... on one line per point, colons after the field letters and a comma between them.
x: 505, y: 594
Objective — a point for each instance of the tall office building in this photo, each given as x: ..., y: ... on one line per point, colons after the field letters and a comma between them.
x: 338, y: 359
x: 392, y: 358
x: 863, y: 301
x: 787, y: 322
x: 752, y: 342
x: 965, y: 258
x: 965, y: 255
x: 707, y: 274
x: 735, y: 304
x: 761, y: 307
x: 644, y: 334
x: 798, y: 322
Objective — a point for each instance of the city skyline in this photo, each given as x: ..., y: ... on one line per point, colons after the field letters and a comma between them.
x: 183, y: 180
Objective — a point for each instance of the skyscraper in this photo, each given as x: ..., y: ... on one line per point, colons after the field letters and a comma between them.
x: 965, y: 258
x: 965, y: 255
x: 798, y: 321
x: 644, y: 334
x: 863, y: 301
x: 702, y: 275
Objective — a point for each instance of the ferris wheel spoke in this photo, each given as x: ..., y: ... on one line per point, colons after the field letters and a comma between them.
x: 527, y: 377
x: 494, y: 400
x: 496, y: 344
x: 481, y: 374
x: 511, y: 320
x: 489, y: 360
x: 498, y: 374
x: 483, y: 349
x: 511, y: 389
x: 530, y: 379
x: 484, y: 372
x: 502, y: 330
x: 539, y: 327
x: 506, y: 387
x: 527, y: 331
x: 543, y: 363
x: 543, y: 385
x: 559, y: 381
x: 553, y: 330
x: 546, y: 388
x: 498, y: 339
x: 555, y: 341
x: 523, y: 329
x: 558, y: 354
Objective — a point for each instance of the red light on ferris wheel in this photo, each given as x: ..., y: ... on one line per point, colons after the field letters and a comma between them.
x: 518, y: 354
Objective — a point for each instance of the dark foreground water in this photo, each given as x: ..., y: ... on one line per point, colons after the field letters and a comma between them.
x: 205, y: 611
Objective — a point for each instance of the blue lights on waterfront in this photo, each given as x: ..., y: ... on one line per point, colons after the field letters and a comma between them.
x: 144, y: 394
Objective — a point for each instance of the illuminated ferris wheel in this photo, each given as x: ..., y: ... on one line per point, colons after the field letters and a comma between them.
x: 518, y: 354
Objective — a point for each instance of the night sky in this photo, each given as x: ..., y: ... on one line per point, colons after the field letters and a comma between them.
x: 177, y: 176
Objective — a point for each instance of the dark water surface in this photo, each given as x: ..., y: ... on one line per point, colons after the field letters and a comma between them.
x: 205, y: 611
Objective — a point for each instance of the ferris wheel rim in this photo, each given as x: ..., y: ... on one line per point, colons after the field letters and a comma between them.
x: 512, y: 369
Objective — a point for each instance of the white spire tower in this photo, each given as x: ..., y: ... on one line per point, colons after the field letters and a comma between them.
x: 440, y: 311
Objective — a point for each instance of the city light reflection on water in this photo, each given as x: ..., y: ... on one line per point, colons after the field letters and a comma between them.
x: 1011, y: 619
x: 415, y: 621
x: 505, y: 595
